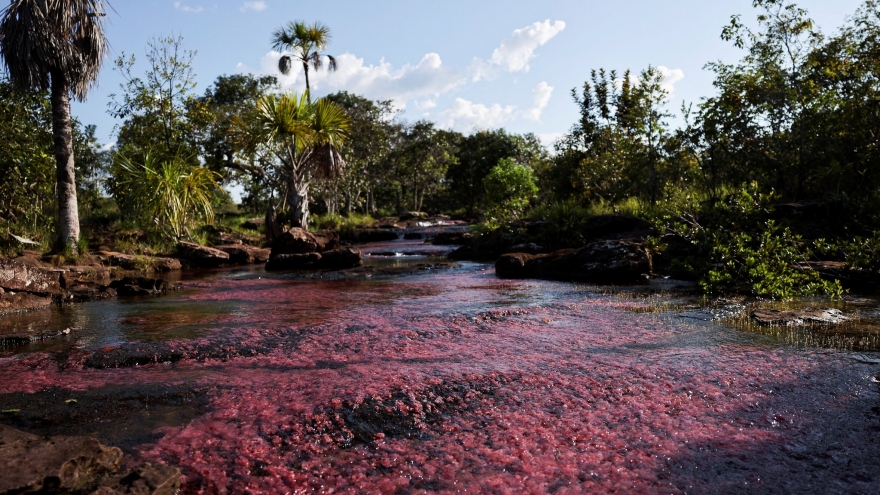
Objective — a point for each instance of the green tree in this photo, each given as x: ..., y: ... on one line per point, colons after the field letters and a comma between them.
x: 509, y: 189
x: 303, y: 43
x: 295, y: 141
x: 57, y: 46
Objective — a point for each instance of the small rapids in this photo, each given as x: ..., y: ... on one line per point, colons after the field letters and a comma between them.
x: 444, y: 382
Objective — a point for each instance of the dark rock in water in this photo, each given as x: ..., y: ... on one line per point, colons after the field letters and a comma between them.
x: 487, y: 247
x: 412, y: 236
x: 340, y: 259
x: 35, y: 465
x: 293, y: 261
x: 453, y: 238
x: 202, y: 256
x: 603, y: 262
x: 529, y: 247
x: 22, y: 301
x: 20, y: 277
x: 796, y: 318
x: 294, y: 241
x: 139, y: 286
x: 243, y: 254
x: 374, y: 235
x: 326, y: 240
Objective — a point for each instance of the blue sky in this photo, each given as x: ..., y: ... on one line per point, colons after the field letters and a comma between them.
x: 463, y: 64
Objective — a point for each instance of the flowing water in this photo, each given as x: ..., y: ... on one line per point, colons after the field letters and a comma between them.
x: 445, y: 380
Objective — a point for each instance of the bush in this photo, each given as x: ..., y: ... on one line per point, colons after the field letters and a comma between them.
x: 509, y: 188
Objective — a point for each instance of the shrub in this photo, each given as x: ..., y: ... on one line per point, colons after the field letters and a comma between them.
x: 509, y: 188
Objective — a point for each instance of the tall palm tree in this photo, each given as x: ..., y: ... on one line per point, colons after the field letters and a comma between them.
x: 304, y: 43
x: 56, y: 45
x: 304, y: 137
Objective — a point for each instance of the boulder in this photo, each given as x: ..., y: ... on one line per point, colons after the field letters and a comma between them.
x: 528, y: 247
x: 603, y: 262
x: 20, y: 277
x: 22, y: 301
x: 243, y: 254
x: 412, y: 215
x: 225, y: 239
x: 294, y: 241
x: 254, y: 223
x: 141, y: 263
x: 293, y: 261
x: 340, y: 259
x: 453, y: 238
x: 89, y: 275
x: 148, y: 479
x: 326, y: 240
x: 796, y: 318
x: 54, y: 465
x: 202, y: 256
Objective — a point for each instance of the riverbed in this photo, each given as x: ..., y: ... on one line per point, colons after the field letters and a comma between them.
x: 443, y: 380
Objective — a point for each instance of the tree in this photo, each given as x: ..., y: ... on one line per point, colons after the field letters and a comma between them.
x: 305, y: 42
x: 58, y: 46
x: 296, y: 141
x: 509, y: 188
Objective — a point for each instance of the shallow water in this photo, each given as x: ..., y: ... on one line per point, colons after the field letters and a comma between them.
x: 450, y: 381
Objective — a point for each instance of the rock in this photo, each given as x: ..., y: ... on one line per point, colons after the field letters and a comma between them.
x: 326, y: 240
x: 529, y: 247
x: 139, y: 286
x: 293, y: 261
x: 243, y: 254
x: 453, y: 238
x: 340, y: 259
x: 254, y: 223
x: 294, y: 241
x: 800, y: 317
x: 412, y: 236
x: 141, y: 263
x: 412, y: 215
x: 603, y: 262
x: 202, y: 256
x: 149, y: 479
x: 54, y: 465
x: 88, y: 275
x: 22, y: 301
x: 19, y: 277
x: 374, y: 235
x: 225, y: 239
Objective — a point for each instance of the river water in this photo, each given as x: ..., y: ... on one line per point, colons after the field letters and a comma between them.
x: 443, y: 380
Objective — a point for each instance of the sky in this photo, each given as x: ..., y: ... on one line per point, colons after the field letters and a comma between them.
x: 465, y: 65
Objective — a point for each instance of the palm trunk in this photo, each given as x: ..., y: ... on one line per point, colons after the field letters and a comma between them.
x: 308, y: 90
x: 298, y: 200
x: 68, y: 213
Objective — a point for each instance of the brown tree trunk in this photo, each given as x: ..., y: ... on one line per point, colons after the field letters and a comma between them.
x: 67, y: 221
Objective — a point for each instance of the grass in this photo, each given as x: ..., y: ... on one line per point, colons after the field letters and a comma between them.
x: 345, y: 225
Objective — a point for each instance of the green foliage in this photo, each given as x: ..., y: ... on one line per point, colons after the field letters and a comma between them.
x: 165, y: 195
x: 566, y: 224
x: 509, y: 189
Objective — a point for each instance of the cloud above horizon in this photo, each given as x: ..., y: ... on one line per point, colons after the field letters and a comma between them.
x: 186, y: 8
x: 257, y: 6
x: 516, y: 52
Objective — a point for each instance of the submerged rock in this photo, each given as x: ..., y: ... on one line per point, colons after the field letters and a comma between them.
x: 202, y: 256
x: 62, y: 464
x: 603, y: 262
x: 139, y: 286
x: 21, y: 301
x: 800, y: 317
x: 337, y: 259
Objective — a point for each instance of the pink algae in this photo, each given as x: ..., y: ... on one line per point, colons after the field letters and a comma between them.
x: 462, y: 383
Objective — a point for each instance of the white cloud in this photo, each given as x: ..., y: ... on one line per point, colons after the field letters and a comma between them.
x: 516, y: 52
x: 426, y: 104
x: 670, y: 77
x: 548, y: 139
x: 542, y: 94
x: 464, y: 115
x: 187, y: 8
x: 255, y: 6
x: 428, y: 78
x: 107, y: 147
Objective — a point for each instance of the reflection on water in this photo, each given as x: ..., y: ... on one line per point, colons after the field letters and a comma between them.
x: 453, y: 381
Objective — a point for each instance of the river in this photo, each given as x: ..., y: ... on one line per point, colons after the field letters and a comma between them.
x: 444, y: 380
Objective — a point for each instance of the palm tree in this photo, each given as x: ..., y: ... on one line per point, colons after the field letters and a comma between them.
x: 304, y: 137
x: 56, y: 45
x: 305, y: 42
